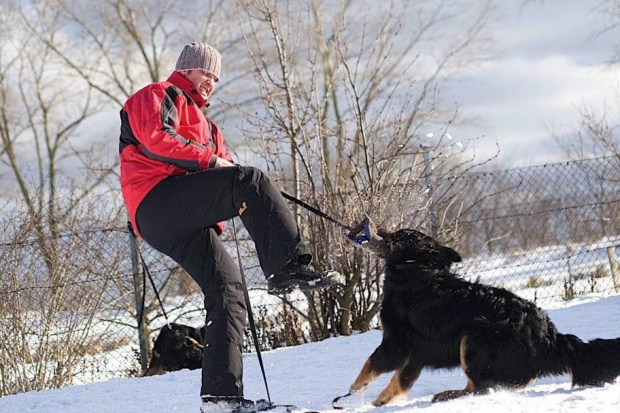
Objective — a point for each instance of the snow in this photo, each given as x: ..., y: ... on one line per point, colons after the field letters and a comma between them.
x: 310, y: 376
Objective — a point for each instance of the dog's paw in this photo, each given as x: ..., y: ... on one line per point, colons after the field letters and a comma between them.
x: 380, y: 401
x: 388, y: 397
x: 448, y: 395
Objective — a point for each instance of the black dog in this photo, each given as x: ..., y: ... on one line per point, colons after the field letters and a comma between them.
x: 432, y: 318
x: 177, y: 347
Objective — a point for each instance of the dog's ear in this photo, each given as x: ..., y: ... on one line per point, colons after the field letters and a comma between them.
x: 452, y: 255
x: 372, y: 240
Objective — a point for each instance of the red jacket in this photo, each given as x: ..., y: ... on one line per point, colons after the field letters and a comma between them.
x: 164, y: 133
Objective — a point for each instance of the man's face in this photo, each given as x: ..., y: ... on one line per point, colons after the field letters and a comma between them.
x: 204, y: 82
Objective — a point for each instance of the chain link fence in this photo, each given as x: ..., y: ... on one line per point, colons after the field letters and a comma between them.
x: 69, y: 311
x: 548, y: 233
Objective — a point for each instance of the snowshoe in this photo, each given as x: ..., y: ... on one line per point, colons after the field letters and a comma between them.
x: 227, y: 404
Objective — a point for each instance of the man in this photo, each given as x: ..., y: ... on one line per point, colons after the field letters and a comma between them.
x: 179, y: 183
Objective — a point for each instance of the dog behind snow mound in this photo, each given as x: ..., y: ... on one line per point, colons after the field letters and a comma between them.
x: 433, y: 319
x: 177, y: 347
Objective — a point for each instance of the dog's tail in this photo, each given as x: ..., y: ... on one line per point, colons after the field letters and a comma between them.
x: 593, y: 363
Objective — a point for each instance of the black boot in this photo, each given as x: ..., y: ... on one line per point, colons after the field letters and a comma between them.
x: 298, y: 274
x: 232, y: 404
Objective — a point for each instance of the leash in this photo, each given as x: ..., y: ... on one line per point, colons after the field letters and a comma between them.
x: 335, y: 406
x: 145, y: 268
x: 353, y: 236
x: 317, y: 211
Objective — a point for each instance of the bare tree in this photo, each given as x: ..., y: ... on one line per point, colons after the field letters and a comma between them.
x: 41, y: 113
x: 119, y: 46
x: 345, y: 108
x: 48, y: 323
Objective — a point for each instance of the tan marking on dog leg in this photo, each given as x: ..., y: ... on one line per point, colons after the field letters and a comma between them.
x: 462, y: 354
x: 366, y: 376
x: 156, y: 371
x: 392, y: 391
x: 469, y: 388
x: 193, y: 342
x: 244, y: 206
x: 395, y: 389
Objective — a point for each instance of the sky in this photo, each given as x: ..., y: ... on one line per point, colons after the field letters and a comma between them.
x: 548, y: 64
x: 311, y: 375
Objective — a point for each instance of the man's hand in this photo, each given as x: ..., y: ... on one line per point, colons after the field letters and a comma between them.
x: 221, y: 163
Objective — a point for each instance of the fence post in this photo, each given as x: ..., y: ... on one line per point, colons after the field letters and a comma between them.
x: 137, y: 287
x: 429, y: 188
x: 613, y: 264
x: 570, y: 282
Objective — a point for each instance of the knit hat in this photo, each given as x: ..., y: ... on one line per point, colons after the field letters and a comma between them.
x: 200, y: 56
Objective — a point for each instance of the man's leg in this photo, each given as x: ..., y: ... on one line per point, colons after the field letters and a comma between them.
x: 269, y: 221
x: 203, y: 256
x: 188, y: 203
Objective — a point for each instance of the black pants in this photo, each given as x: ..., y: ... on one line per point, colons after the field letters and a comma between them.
x: 177, y: 219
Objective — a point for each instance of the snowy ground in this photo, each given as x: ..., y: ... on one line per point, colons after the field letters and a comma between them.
x: 310, y: 376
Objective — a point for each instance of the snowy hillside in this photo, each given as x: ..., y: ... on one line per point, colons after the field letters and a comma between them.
x: 310, y: 376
